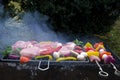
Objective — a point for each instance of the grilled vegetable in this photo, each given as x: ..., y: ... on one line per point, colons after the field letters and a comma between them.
x: 24, y: 59
x: 66, y: 58
x: 44, y: 56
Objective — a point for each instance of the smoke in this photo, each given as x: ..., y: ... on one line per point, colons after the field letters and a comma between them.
x: 32, y: 26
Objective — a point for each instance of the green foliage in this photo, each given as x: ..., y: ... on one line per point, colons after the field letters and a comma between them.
x: 7, y: 51
x: 77, y: 16
x: 77, y: 42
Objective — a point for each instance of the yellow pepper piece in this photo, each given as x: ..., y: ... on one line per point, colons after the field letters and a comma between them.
x: 66, y: 58
x: 90, y: 53
x: 88, y: 44
x: 49, y: 56
x: 45, y: 42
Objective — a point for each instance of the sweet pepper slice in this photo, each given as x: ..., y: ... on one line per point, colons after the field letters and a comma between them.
x: 66, y: 58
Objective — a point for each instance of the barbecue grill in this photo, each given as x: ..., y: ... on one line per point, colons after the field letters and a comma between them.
x: 69, y: 68
x: 12, y: 69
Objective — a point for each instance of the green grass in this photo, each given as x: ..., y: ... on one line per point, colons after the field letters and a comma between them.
x: 112, y: 39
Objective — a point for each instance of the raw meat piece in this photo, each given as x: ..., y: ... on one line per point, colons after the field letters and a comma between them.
x: 23, y: 44
x: 30, y: 52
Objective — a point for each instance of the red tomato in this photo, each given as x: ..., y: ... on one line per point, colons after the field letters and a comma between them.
x: 24, y: 59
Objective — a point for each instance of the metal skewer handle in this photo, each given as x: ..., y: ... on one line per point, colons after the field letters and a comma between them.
x: 117, y: 72
x: 101, y: 72
x: 43, y: 69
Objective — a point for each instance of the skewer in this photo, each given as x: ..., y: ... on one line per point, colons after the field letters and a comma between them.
x: 94, y: 56
x: 48, y: 63
x: 117, y: 72
x: 97, y: 60
x: 101, y: 72
x: 43, y: 69
x: 106, y: 56
x: 111, y: 60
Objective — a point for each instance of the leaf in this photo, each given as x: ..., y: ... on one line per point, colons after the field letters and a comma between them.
x: 77, y: 42
x: 7, y: 51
